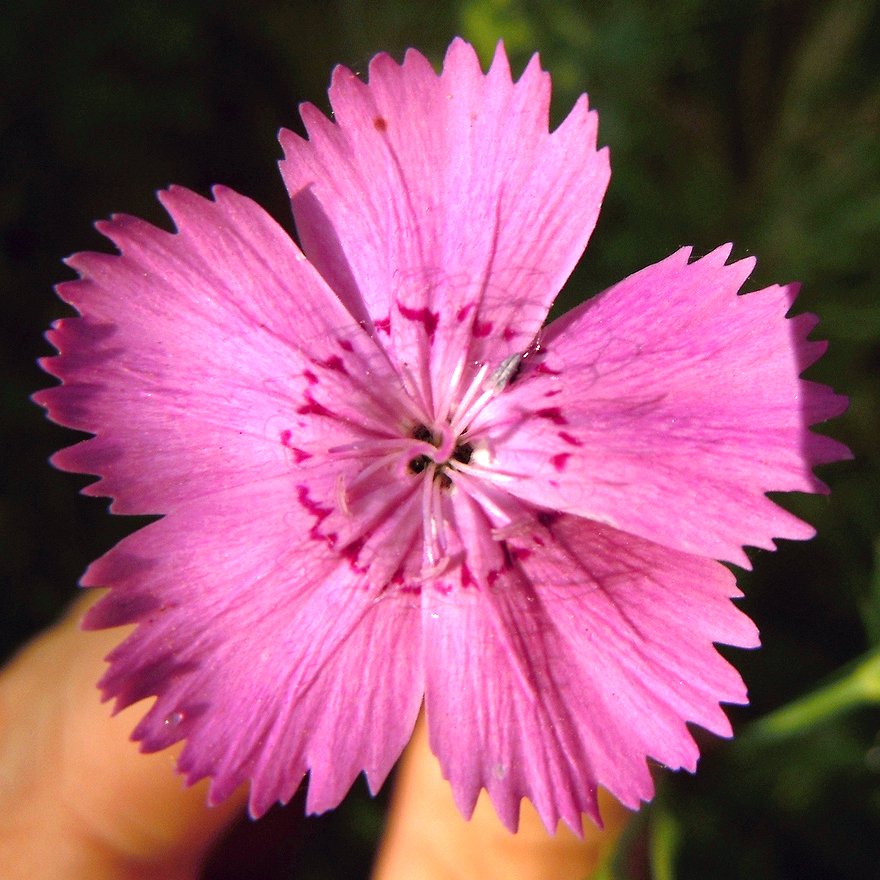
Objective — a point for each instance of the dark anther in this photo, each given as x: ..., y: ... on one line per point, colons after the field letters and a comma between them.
x: 443, y: 480
x: 463, y: 452
x: 420, y: 432
x: 547, y: 517
x: 417, y: 465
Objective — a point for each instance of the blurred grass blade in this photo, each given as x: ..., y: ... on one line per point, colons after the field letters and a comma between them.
x: 870, y: 606
x: 664, y: 842
x: 857, y: 684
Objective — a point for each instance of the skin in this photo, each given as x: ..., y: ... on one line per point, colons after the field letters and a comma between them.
x: 426, y: 838
x: 78, y: 801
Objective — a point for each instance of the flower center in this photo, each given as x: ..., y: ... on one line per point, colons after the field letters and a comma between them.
x: 447, y: 454
x: 398, y: 499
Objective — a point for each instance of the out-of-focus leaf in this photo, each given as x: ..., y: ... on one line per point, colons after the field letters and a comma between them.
x: 856, y: 685
x: 664, y: 842
x: 871, y: 603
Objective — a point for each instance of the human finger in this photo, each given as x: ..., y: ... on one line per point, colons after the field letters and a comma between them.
x: 78, y: 798
x: 426, y: 837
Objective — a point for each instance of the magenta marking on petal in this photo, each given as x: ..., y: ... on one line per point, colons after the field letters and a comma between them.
x: 312, y: 407
x: 547, y: 517
x: 463, y: 312
x: 482, y: 329
x: 351, y: 552
x: 383, y: 324
x: 509, y: 334
x: 520, y: 553
x: 316, y: 510
x: 554, y: 414
x: 495, y: 573
x: 345, y: 344
x: 558, y: 461
x: 553, y: 392
x: 423, y: 316
x: 568, y: 438
x: 467, y: 579
x: 544, y: 370
x: 299, y: 455
x: 334, y: 362
x: 310, y: 377
x: 310, y: 504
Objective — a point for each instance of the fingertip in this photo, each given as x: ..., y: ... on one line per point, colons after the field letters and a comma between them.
x: 428, y: 839
x: 70, y: 769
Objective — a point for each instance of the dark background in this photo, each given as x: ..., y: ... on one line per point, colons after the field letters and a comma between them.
x: 756, y: 122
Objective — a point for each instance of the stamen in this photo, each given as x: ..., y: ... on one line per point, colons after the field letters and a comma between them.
x: 493, y: 475
x: 428, y: 526
x: 507, y: 418
x: 370, y: 469
x: 520, y: 528
x: 460, y: 418
x: 429, y: 572
x: 342, y: 495
x: 419, y: 405
x: 478, y: 493
x: 436, y: 543
x: 449, y: 389
x: 368, y: 447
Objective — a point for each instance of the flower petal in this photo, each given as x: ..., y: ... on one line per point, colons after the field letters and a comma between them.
x: 588, y: 655
x: 198, y: 352
x: 441, y: 208
x: 268, y: 652
x: 668, y: 406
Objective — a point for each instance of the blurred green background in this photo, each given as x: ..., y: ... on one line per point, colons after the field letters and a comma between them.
x: 753, y: 122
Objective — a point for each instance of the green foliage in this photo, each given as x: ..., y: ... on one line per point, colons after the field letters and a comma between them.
x: 755, y: 122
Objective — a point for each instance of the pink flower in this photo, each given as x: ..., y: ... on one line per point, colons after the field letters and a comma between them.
x: 382, y: 483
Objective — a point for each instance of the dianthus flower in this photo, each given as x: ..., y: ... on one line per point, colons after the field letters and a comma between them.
x: 382, y: 484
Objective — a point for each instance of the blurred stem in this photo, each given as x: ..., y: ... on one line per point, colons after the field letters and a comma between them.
x: 605, y: 871
x: 870, y: 606
x: 857, y: 684
x: 665, y: 840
